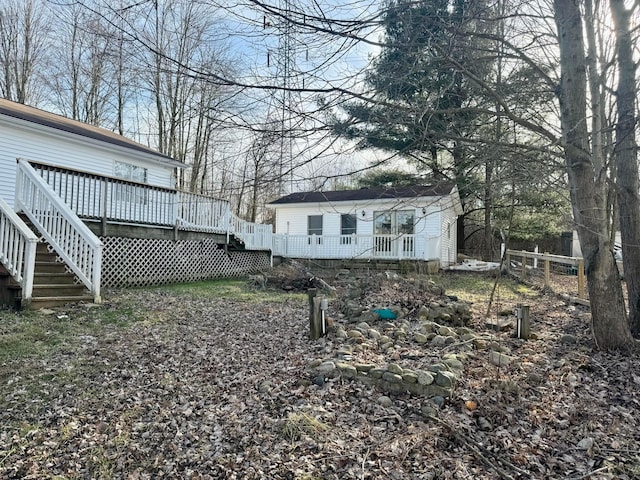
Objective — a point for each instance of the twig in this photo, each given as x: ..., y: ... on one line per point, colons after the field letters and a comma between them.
x: 364, y: 460
x: 587, y: 475
x: 478, y: 450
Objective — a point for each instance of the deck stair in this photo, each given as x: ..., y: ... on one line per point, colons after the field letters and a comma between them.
x: 53, y: 285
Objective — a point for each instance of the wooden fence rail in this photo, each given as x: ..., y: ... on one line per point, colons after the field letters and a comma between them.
x: 527, y: 264
x: 576, y: 265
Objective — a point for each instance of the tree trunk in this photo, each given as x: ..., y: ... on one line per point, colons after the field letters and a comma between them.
x: 627, y: 162
x: 608, y: 316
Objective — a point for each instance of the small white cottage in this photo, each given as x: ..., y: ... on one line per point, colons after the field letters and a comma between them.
x: 417, y: 222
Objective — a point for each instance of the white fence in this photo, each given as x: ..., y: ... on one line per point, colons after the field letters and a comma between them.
x: 392, y: 247
x: 17, y: 249
x: 72, y: 240
x: 111, y: 199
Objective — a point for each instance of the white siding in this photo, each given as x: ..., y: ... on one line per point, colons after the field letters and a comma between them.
x: 18, y: 139
x: 449, y: 236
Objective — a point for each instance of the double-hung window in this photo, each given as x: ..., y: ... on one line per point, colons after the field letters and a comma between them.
x: 348, y: 227
x: 314, y: 227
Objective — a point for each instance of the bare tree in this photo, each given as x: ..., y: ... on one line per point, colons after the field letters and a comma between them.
x: 608, y: 314
x: 626, y: 159
x: 23, y: 41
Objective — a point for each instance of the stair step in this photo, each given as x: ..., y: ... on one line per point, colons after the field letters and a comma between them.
x: 50, y: 267
x: 46, y: 302
x: 48, y: 278
x: 57, y: 289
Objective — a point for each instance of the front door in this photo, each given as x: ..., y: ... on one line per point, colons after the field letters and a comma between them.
x: 393, y: 232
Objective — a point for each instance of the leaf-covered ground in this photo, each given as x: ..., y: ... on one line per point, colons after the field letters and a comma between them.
x: 171, y: 384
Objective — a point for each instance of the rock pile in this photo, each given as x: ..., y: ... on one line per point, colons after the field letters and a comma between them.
x: 382, y: 316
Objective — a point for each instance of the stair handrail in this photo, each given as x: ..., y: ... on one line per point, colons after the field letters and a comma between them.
x: 17, y: 249
x: 71, y: 239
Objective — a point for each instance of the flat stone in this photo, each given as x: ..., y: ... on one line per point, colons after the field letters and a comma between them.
x: 454, y: 363
x: 438, y: 340
x: 385, y: 401
x: 445, y: 379
x: 468, y: 337
x: 438, y: 401
x: 373, y: 333
x: 384, y: 339
x: 363, y: 326
x: 500, y: 323
x: 391, y: 377
x: 421, y: 338
x: 446, y: 332
x: 388, y: 325
x: 346, y: 369
x: 345, y: 350
x: 423, y: 313
x: 496, y: 347
x: 355, y: 334
x: 410, y: 377
x: 326, y: 367
x: 400, y: 334
x: 386, y: 346
x: 424, y: 378
x: 499, y: 359
x: 377, y: 372
x: 364, y: 367
x: 428, y: 409
x: 394, y: 368
x: 585, y: 444
x: 438, y: 367
x: 341, y: 333
x: 480, y: 344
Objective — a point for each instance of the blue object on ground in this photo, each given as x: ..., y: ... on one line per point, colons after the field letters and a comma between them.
x: 385, y: 314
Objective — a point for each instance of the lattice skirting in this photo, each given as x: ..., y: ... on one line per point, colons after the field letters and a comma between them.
x: 129, y: 262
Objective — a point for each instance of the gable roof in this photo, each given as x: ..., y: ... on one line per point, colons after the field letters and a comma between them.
x: 58, y: 122
x: 437, y: 190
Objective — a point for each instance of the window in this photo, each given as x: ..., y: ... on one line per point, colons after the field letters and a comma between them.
x: 314, y: 227
x: 131, y: 193
x: 348, y: 226
x: 127, y: 171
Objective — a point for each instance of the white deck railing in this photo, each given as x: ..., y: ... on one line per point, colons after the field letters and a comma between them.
x: 17, y: 249
x: 72, y: 240
x: 392, y: 247
x: 110, y: 199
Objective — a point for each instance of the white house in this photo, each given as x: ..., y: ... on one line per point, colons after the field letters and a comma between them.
x: 106, y: 209
x: 46, y: 138
x: 417, y: 222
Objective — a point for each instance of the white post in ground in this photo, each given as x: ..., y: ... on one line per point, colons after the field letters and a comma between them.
x: 535, y: 259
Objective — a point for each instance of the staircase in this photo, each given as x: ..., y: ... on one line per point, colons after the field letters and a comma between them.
x: 53, y: 284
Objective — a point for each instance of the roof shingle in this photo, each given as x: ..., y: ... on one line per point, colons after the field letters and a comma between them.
x: 436, y: 190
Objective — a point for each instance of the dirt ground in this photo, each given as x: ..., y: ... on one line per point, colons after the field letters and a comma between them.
x: 218, y: 387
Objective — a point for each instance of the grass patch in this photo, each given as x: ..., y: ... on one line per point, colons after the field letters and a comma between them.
x: 298, y: 424
x: 477, y: 287
x: 35, y: 333
x: 232, y: 289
